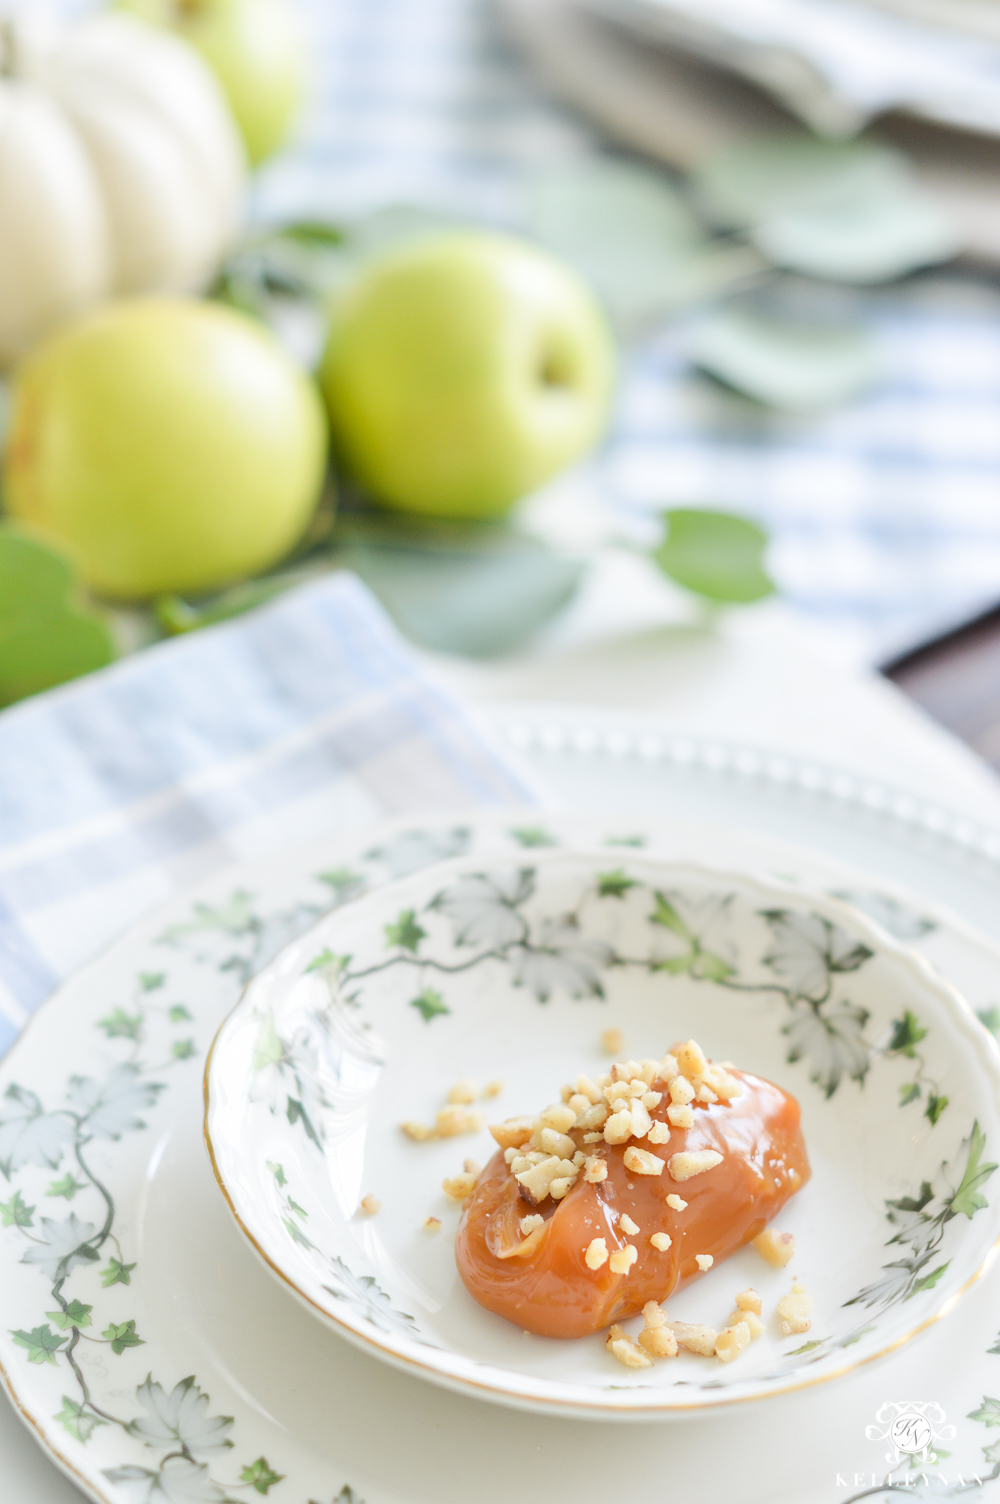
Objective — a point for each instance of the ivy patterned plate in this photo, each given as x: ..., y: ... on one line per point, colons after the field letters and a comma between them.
x: 158, y: 1363
x: 509, y: 971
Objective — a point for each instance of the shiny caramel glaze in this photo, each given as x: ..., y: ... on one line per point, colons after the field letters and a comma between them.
x: 549, y: 1289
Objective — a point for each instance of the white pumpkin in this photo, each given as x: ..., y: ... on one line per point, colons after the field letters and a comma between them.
x: 120, y: 170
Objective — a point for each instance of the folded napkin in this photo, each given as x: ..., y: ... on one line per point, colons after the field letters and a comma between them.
x: 302, y: 719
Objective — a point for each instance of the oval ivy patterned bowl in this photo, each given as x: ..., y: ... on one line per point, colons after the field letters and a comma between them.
x: 507, y: 975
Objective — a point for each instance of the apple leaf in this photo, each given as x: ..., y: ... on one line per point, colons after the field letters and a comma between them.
x: 787, y: 365
x: 45, y: 637
x: 715, y: 554
x: 628, y: 230
x: 848, y: 211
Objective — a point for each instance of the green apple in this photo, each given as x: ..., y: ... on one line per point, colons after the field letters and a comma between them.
x: 463, y: 371
x: 255, y: 48
x: 166, y: 444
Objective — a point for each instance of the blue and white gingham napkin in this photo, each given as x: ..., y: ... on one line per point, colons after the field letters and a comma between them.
x: 304, y: 718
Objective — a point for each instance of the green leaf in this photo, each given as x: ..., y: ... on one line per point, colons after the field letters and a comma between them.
x: 939, y: 1454
x: 712, y: 968
x: 299, y: 1211
x: 77, y: 1419
x: 151, y: 980
x: 794, y: 366
x: 909, y: 1093
x: 326, y: 960
x: 996, y: 1345
x: 906, y: 1032
x: 67, y: 1187
x: 405, y: 932
x: 988, y: 1412
x: 45, y: 638
x: 625, y: 841
x: 857, y: 1336
x: 122, y: 1336
x: 261, y: 1475
x: 277, y: 1172
x: 929, y: 1280
x: 935, y: 1107
x: 968, y: 1198
x: 665, y: 914
x: 341, y: 880
x: 914, y: 1203
x: 714, y: 554
x: 313, y: 232
x: 75, y: 1314
x: 121, y: 1025
x: 179, y: 1014
x: 990, y: 1019
x: 676, y: 965
x: 807, y: 1347
x: 532, y: 835
x: 116, y: 1273
x: 182, y: 1049
x: 843, y: 210
x: 14, y: 1213
x: 42, y: 1343
x: 429, y: 1004
x: 613, y: 884
x: 295, y: 1232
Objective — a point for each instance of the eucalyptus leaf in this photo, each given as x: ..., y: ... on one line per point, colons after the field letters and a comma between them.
x: 627, y: 229
x: 793, y: 366
x: 847, y: 211
x: 715, y: 554
x: 46, y: 638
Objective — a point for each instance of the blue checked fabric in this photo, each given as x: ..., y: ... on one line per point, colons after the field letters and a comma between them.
x: 303, y: 719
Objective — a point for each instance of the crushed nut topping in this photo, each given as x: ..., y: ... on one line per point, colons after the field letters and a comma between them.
x: 622, y: 1259
x: 596, y: 1254
x: 794, y: 1312
x: 748, y: 1300
x: 459, y: 1187
x: 694, y: 1337
x: 513, y: 1134
x: 676, y: 1203
x: 691, y: 1162
x: 370, y: 1205
x: 754, y: 1324
x: 528, y: 1224
x: 492, y: 1089
x: 732, y: 1341
x: 432, y: 1224
x: 704, y: 1261
x: 453, y: 1120
x: 659, y: 1133
x: 777, y: 1247
x: 612, y: 1041
x: 625, y: 1350
x: 641, y: 1162
x: 472, y: 1167
x: 627, y: 1225
x: 595, y: 1170
x: 462, y: 1093
x: 661, y: 1241
x: 680, y: 1117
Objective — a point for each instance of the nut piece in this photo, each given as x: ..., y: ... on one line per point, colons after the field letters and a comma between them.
x: 453, y: 1120
x: 656, y: 1338
x: 627, y: 1225
x: 732, y: 1341
x: 618, y: 1128
x: 417, y: 1131
x: 536, y: 1181
x: 595, y: 1170
x: 561, y: 1117
x: 676, y: 1203
x: 596, y: 1254
x: 667, y: 1069
x: 472, y: 1167
x: 794, y: 1311
x: 625, y: 1350
x: 661, y: 1241
x: 659, y: 1133
x: 513, y: 1134
x: 691, y: 1162
x: 492, y: 1089
x: 704, y: 1261
x: 370, y: 1205
x: 622, y: 1259
x: 691, y: 1059
x: 748, y: 1300
x: 554, y: 1142
x: 754, y: 1324
x: 462, y: 1092
x: 680, y: 1117
x: 528, y: 1224
x: 432, y: 1224
x: 458, y: 1187
x: 681, y: 1091
x: 695, y: 1337
x: 641, y: 1162
x: 777, y: 1247
x: 612, y: 1041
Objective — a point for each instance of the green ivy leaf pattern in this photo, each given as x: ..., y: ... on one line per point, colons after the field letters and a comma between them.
x: 178, y: 1014
x: 14, y: 1213
x: 116, y: 1273
x: 968, y: 1199
x: 121, y: 1025
x: 67, y: 1186
x: 277, y: 1172
x: 405, y: 932
x: 41, y: 1342
x: 906, y: 1033
x: 78, y: 1421
x: 990, y: 1019
x: 122, y: 1336
x: 929, y: 1280
x: 532, y: 836
x: 429, y: 1004
x: 74, y: 1314
x: 614, y: 884
x: 935, y: 1107
x: 152, y: 981
x: 260, y: 1475
x: 909, y: 1093
x: 182, y: 1049
x: 988, y: 1413
x: 996, y: 1345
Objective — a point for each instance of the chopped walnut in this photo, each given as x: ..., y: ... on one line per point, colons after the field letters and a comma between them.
x: 536, y: 1180
x: 561, y: 1186
x: 453, y: 1120
x: 680, y: 1117
x: 513, y: 1134
x: 732, y: 1341
x: 651, y: 1100
x: 625, y: 1350
x: 595, y: 1170
x: 612, y: 1040
x: 667, y: 1069
x: 704, y: 1261
x: 528, y: 1224
x: 694, y: 1337
x: 705, y: 1094
x: 691, y: 1059
x: 754, y: 1324
x: 463, y: 1092
x: 656, y: 1338
x: 472, y: 1167
x: 554, y: 1142
x: 618, y: 1128
x: 417, y: 1131
x: 561, y: 1117
x: 661, y: 1241
x: 691, y: 1162
x: 641, y: 1162
x: 594, y: 1117
x: 593, y: 1138
x: 432, y: 1224
x: 659, y: 1133
x: 596, y: 1254
x: 625, y: 1070
x: 622, y: 1259
x: 676, y: 1203
x: 492, y: 1089
x: 777, y: 1247
x: 627, y: 1225
x: 748, y: 1300
x: 681, y: 1091
x: 794, y: 1312
x: 459, y: 1187
x: 641, y: 1120
x: 588, y: 1089
x: 370, y: 1205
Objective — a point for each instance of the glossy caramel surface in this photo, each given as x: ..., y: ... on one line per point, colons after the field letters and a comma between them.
x: 550, y: 1290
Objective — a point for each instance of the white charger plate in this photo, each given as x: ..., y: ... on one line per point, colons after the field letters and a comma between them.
x: 327, y: 1417
x: 371, y: 1016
